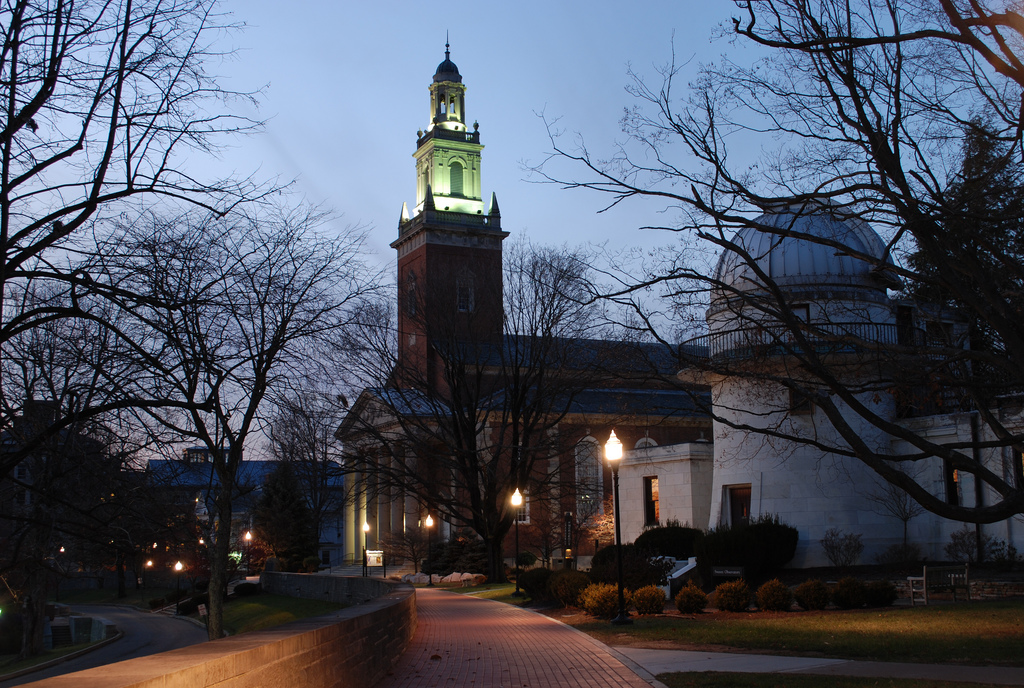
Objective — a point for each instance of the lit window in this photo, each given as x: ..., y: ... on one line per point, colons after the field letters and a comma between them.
x: 455, y: 179
x: 524, y: 509
x: 652, y: 514
x: 589, y: 478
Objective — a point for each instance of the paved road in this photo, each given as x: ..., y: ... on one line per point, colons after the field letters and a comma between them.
x: 144, y: 634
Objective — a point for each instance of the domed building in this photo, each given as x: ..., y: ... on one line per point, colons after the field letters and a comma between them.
x: 803, y: 297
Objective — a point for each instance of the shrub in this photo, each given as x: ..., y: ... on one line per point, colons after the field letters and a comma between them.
x: 191, y: 605
x: 247, y: 589
x: 842, y: 549
x: 1004, y: 555
x: 811, y: 595
x: 602, y: 600
x: 880, y: 593
x: 774, y: 596
x: 691, y: 599
x: 899, y: 555
x: 526, y: 559
x: 638, y: 566
x: 849, y: 593
x: 649, y: 599
x: 10, y: 632
x: 761, y: 548
x: 732, y: 596
x: 669, y: 541
x: 566, y: 586
x: 311, y: 564
x: 535, y: 583
x: 963, y: 545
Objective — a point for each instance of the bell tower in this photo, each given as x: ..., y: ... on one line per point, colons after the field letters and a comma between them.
x: 449, y: 250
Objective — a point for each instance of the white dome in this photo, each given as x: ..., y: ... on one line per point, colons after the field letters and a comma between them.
x: 848, y: 255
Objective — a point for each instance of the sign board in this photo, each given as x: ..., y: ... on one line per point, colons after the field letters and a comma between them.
x: 374, y: 557
x: 727, y: 571
x: 202, y: 610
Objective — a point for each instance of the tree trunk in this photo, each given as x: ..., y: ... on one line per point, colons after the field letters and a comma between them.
x: 33, y: 615
x: 218, y: 565
x: 495, y: 561
x: 122, y: 588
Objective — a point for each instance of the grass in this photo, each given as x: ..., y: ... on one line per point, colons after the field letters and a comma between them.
x: 261, y: 611
x: 9, y: 666
x: 499, y: 592
x: 973, y: 633
x: 712, y: 679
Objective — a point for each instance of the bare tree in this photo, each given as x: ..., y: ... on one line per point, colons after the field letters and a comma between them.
x: 861, y: 109
x: 230, y: 310
x: 892, y: 500
x: 302, y: 433
x: 101, y: 100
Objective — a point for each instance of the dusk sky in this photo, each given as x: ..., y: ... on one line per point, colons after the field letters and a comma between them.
x: 346, y: 90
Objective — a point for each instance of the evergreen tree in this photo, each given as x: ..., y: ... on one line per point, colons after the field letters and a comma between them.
x: 282, y: 518
x: 978, y: 252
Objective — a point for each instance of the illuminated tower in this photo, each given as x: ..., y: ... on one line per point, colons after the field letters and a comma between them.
x: 449, y: 251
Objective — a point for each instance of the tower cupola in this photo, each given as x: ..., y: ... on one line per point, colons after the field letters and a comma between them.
x: 447, y: 152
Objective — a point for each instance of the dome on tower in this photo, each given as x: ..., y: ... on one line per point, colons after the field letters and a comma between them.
x: 840, y: 253
x: 447, y: 71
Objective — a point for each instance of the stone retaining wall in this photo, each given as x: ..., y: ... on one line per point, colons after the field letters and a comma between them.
x: 980, y: 590
x: 351, y: 648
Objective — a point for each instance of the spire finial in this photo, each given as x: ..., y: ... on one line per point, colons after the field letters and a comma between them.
x: 447, y: 52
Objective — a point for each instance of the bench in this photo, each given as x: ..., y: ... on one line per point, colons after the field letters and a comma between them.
x: 939, y: 578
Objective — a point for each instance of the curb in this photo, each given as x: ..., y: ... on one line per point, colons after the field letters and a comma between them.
x: 60, y: 660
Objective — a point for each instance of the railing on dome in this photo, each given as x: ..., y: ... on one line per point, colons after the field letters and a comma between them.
x: 830, y: 338
x: 450, y: 135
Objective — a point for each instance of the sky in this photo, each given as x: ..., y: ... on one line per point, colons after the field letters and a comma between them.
x: 345, y: 90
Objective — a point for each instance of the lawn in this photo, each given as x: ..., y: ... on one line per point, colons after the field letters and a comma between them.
x: 265, y: 611
x: 499, y: 592
x: 713, y: 679
x: 969, y: 633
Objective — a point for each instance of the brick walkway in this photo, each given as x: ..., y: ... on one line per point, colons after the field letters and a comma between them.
x: 464, y: 642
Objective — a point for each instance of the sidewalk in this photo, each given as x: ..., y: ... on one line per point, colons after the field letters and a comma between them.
x: 466, y: 642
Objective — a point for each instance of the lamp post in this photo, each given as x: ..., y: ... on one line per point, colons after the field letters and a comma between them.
x: 145, y: 567
x: 517, y: 501
x: 430, y: 543
x: 613, y: 453
x: 248, y: 542
x: 178, y: 566
x: 366, y: 535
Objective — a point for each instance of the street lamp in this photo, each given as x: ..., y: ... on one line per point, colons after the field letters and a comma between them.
x: 148, y: 565
x: 517, y: 501
x: 248, y: 542
x: 366, y: 562
x: 430, y: 544
x: 613, y: 453
x: 178, y: 566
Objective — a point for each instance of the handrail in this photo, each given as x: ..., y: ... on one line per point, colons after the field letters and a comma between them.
x: 770, y: 340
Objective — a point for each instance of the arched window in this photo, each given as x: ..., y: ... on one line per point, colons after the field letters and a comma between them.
x: 455, y: 176
x: 589, y: 479
x: 645, y: 442
x: 464, y: 297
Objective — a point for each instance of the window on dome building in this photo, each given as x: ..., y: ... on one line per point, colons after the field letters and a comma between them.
x: 952, y: 479
x: 652, y: 513
x: 800, y: 404
x: 739, y: 504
